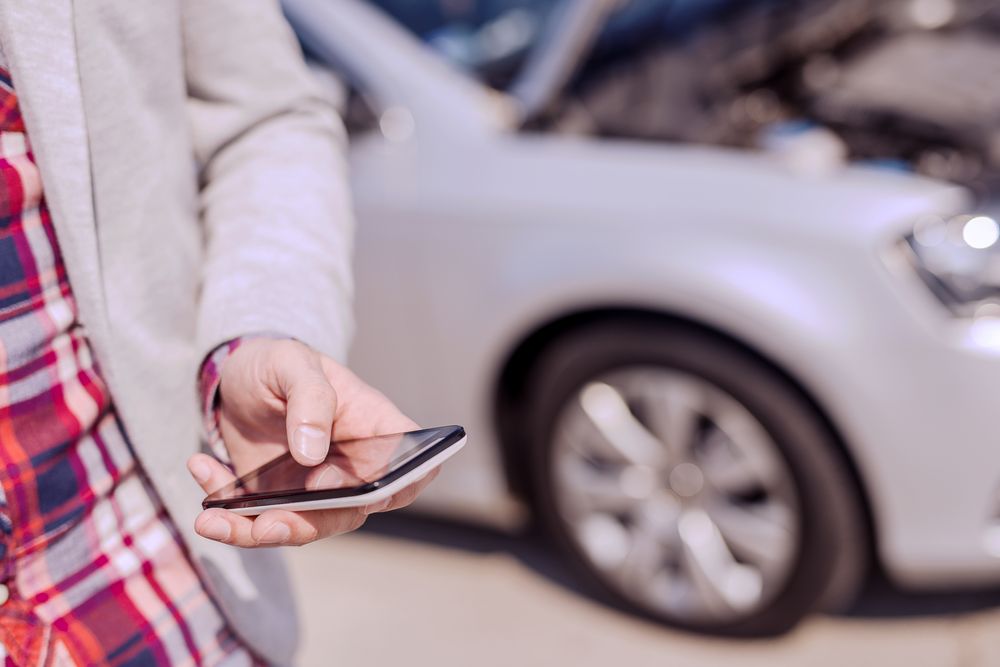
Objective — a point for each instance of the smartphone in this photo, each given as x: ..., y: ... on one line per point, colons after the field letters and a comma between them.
x: 356, y: 472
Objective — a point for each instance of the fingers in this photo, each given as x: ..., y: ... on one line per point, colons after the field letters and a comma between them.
x: 216, y: 524
x: 277, y: 527
x: 329, y: 476
x: 285, y: 528
x: 223, y: 526
x: 311, y: 402
x: 281, y: 527
x: 405, y: 497
x: 363, y: 411
x: 210, y: 474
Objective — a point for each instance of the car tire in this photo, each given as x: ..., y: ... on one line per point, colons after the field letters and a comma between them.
x: 832, y: 551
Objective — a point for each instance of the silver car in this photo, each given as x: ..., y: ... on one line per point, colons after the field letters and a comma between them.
x: 723, y: 381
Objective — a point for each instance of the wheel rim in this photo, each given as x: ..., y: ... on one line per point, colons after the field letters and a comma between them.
x: 676, y: 494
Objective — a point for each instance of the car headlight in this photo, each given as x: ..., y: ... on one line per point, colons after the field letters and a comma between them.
x: 959, y: 260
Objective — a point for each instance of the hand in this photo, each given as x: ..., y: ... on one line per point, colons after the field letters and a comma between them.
x: 279, y: 395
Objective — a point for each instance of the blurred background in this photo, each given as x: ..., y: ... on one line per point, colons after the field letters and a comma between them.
x: 714, y: 286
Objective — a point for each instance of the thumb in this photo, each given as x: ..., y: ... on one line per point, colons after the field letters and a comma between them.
x: 310, y: 404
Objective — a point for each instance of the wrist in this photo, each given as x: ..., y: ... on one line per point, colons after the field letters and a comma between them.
x: 210, y: 386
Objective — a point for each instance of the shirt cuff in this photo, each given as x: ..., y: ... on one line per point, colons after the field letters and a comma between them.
x: 209, y: 379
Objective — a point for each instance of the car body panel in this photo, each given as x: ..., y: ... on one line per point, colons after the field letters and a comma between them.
x: 469, y: 240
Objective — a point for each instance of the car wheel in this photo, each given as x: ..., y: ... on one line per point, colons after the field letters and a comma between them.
x: 691, y: 481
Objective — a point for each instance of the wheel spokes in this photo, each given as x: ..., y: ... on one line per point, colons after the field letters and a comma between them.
x: 606, y: 539
x: 643, y: 562
x: 748, y: 438
x: 674, y: 411
x: 725, y: 469
x: 761, y: 534
x: 613, y: 490
x: 623, y: 434
x: 722, y: 582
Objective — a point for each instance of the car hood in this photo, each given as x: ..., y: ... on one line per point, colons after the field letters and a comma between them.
x: 608, y: 182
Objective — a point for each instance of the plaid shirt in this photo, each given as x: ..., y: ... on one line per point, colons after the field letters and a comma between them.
x: 93, y: 570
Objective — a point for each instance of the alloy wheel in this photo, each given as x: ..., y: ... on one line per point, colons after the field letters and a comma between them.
x: 675, y: 492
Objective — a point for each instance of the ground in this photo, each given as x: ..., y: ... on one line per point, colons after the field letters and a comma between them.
x: 407, y: 591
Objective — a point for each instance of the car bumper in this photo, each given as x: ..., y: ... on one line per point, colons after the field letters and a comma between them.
x: 918, y: 399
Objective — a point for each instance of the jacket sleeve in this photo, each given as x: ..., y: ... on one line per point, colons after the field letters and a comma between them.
x: 274, y: 197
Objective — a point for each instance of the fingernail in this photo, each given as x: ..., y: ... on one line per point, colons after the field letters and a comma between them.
x: 378, y: 507
x: 330, y: 478
x: 200, y: 470
x: 310, y: 442
x: 216, y: 528
x: 276, y: 534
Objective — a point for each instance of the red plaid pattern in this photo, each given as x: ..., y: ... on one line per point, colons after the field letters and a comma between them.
x: 10, y: 112
x: 95, y: 570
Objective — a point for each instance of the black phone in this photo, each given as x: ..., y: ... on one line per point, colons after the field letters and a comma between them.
x: 354, y: 473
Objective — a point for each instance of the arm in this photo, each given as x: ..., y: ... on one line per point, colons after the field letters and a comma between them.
x: 276, y: 213
x: 274, y: 202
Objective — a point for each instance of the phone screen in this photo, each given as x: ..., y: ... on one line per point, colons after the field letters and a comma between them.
x: 353, y: 467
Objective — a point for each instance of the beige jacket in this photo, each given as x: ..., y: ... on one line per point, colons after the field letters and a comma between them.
x: 198, y: 193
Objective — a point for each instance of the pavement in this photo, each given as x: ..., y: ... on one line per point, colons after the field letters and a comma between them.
x: 409, y: 591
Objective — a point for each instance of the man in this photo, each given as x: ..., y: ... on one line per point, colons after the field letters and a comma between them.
x: 173, y: 208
